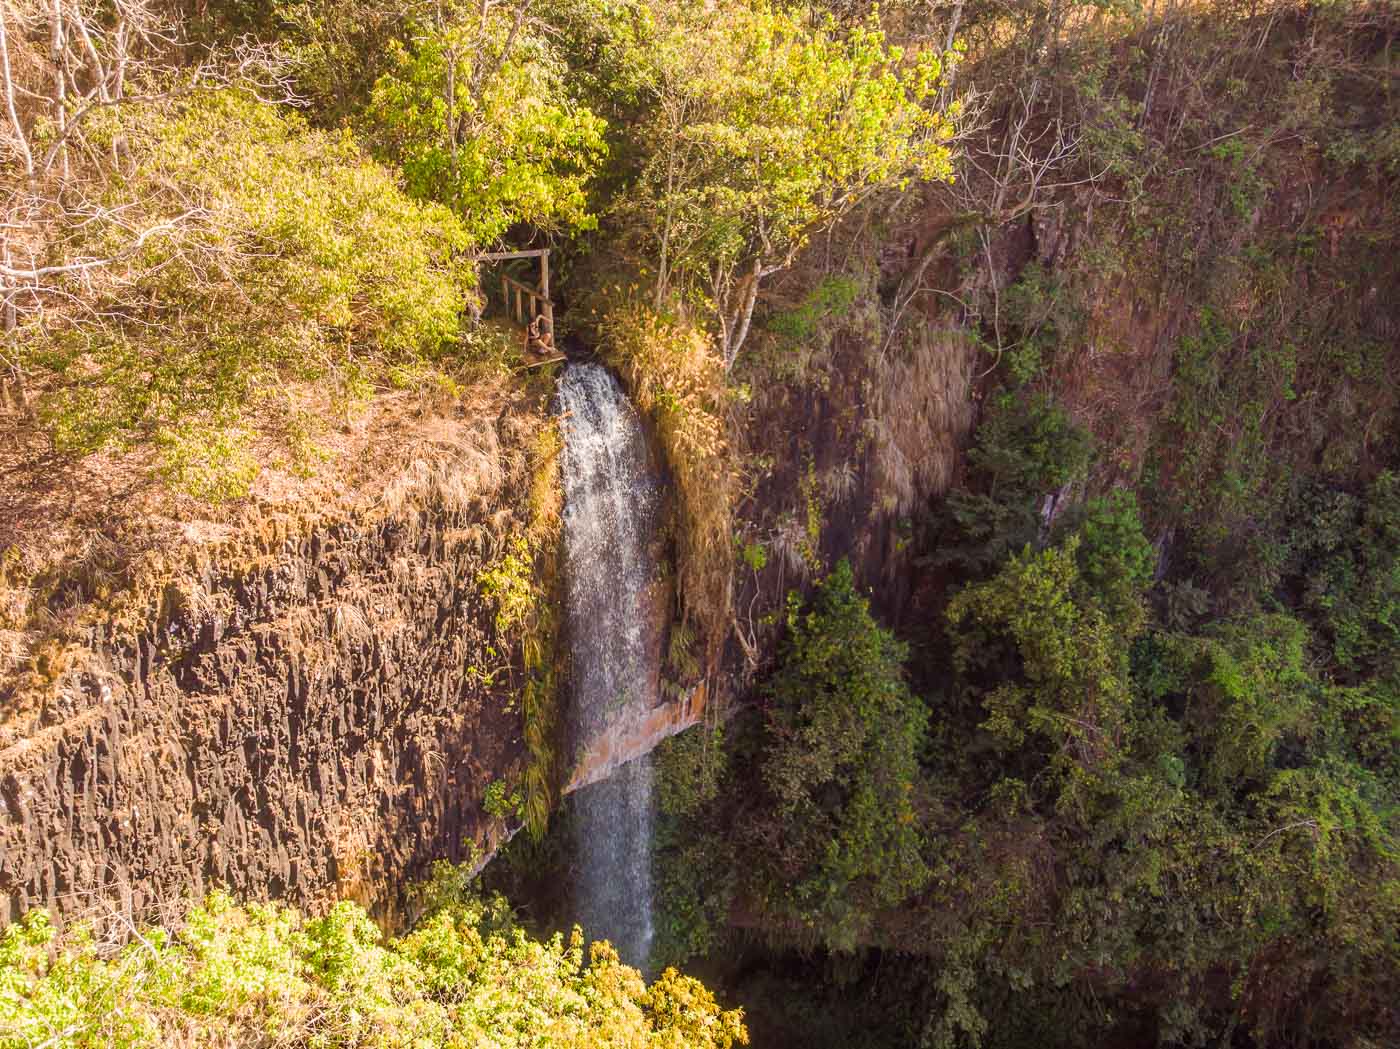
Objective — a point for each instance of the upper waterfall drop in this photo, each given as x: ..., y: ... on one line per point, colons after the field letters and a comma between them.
x: 611, y: 499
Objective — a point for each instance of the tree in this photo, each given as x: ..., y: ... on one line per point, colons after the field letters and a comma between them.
x: 843, y: 730
x: 476, y: 113
x: 1070, y: 703
x: 282, y: 255
x: 761, y: 130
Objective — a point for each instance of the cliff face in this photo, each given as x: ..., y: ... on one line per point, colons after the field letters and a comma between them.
x: 301, y: 702
x: 310, y: 706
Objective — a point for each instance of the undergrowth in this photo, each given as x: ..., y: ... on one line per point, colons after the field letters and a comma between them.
x: 523, y: 586
x: 264, y: 974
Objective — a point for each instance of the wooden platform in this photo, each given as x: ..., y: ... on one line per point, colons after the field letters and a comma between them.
x: 539, y: 360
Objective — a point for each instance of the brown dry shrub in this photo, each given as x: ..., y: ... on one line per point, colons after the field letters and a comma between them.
x: 676, y: 378
x: 923, y: 413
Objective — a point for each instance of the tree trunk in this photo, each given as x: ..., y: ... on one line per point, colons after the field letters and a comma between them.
x: 9, y: 85
x: 739, y: 330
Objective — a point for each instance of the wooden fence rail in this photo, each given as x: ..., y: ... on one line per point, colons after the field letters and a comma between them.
x: 524, y: 303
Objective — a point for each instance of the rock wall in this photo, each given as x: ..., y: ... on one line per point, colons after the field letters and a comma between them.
x: 318, y: 720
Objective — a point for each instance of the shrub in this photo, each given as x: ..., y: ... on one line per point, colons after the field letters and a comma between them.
x: 1347, y: 552
x: 467, y: 975
x: 677, y: 380
x: 693, y: 857
x: 1025, y: 448
x: 843, y: 730
x: 1067, y: 702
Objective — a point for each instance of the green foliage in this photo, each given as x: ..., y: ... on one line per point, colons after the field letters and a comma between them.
x: 299, y: 261
x: 520, y: 586
x: 693, y: 859
x: 466, y: 976
x: 1116, y: 561
x: 1026, y: 448
x: 831, y: 298
x: 1071, y: 693
x: 754, y: 555
x: 499, y: 802
x: 763, y: 125
x: 510, y: 585
x: 213, y: 464
x: 477, y: 115
x: 1347, y: 552
x: 1250, y: 691
x: 1038, y: 311
x: 842, y: 733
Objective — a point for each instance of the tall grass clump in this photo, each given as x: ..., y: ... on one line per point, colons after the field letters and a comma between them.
x: 677, y: 379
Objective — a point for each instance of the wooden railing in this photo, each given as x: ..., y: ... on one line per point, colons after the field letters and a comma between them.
x: 524, y: 302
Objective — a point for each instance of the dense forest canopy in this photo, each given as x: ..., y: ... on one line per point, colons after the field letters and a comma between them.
x: 1104, y: 749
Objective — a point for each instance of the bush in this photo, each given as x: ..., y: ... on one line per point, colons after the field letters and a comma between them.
x: 1048, y: 667
x: 1025, y: 449
x: 693, y: 847
x: 1347, y: 553
x: 467, y: 975
x: 676, y: 379
x: 843, y: 730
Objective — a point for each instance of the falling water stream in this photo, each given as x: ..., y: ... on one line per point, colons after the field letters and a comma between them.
x: 610, y: 503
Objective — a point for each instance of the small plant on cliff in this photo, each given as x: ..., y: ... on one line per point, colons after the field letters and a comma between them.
x: 522, y: 586
x: 499, y: 802
x: 510, y: 585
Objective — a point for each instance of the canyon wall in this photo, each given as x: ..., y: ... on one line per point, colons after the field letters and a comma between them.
x: 310, y: 706
x: 316, y: 714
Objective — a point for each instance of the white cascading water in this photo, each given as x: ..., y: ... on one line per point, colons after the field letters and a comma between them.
x: 610, y: 505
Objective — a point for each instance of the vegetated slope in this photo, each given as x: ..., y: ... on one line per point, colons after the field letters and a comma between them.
x: 1153, y: 616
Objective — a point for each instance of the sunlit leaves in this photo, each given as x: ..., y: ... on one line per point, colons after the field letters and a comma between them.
x: 466, y: 976
x: 478, y: 116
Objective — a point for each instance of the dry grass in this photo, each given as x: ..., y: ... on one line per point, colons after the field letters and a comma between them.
x: 677, y: 379
x: 922, y: 413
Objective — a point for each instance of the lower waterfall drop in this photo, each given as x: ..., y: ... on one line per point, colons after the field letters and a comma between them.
x: 610, y: 509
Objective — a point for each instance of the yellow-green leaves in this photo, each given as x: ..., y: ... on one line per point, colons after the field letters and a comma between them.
x: 261, y: 974
x: 763, y: 129
x: 477, y: 114
x: 278, y: 254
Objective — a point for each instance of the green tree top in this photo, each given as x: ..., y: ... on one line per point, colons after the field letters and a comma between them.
x: 763, y: 129
x: 476, y: 112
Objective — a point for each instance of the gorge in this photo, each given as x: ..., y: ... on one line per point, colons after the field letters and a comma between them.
x: 543, y: 522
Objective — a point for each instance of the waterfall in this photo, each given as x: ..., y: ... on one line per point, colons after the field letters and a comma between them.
x: 610, y: 506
